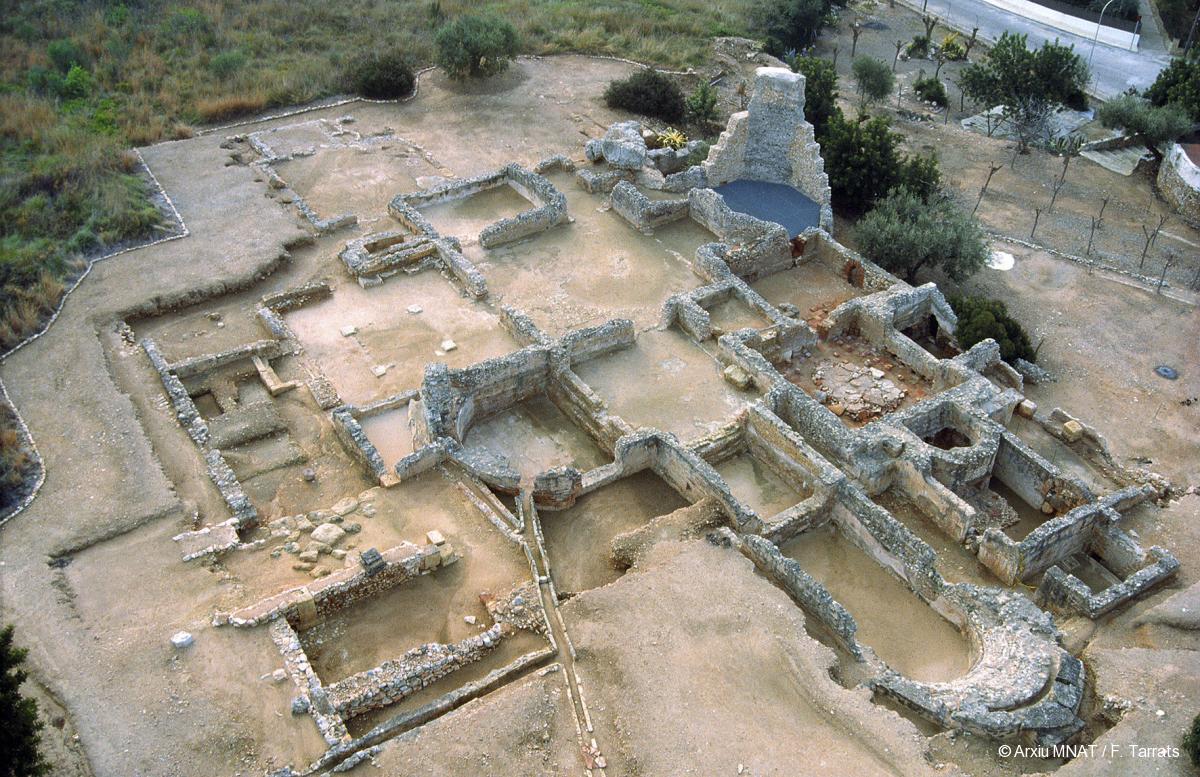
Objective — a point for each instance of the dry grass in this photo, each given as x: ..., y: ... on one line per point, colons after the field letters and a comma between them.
x: 27, y: 309
x: 230, y: 107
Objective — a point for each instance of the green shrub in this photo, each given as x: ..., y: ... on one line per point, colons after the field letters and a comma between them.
x: 820, y: 92
x: 382, y: 76
x: 873, y: 77
x: 1191, y: 741
x: 476, y: 46
x: 918, y: 47
x: 931, y: 90
x: 1179, y: 83
x: 64, y: 54
x: 227, y: 63
x: 701, y: 106
x: 19, y: 724
x: 187, y: 26
x: 77, y: 85
x: 788, y: 25
x: 952, y: 48
x: 980, y: 318
x: 1155, y: 124
x: 649, y: 93
x: 863, y: 160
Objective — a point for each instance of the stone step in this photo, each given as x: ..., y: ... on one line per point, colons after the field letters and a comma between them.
x: 1119, y: 160
x: 211, y: 539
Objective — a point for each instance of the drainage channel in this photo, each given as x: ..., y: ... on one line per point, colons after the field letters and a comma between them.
x: 594, y: 761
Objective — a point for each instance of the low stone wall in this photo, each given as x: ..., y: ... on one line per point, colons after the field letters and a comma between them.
x: 354, y: 440
x: 642, y: 212
x: 313, y: 696
x: 1179, y: 183
x: 550, y: 206
x: 397, y: 679
x: 1066, y: 593
x: 198, y: 365
x: 245, y: 516
x: 304, y: 605
x: 805, y: 591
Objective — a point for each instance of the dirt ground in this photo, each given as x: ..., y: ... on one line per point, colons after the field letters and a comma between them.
x: 684, y: 672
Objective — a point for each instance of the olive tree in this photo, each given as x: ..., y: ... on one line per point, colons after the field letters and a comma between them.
x: 905, y: 233
x: 476, y: 46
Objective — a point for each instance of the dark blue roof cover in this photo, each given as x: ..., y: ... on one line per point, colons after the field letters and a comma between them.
x: 776, y: 202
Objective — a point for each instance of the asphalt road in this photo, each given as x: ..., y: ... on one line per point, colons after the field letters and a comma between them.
x: 1114, y: 70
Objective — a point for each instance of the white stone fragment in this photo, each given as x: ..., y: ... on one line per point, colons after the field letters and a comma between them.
x: 449, y: 345
x: 349, y: 330
x: 415, y: 309
x: 182, y: 639
x: 469, y: 619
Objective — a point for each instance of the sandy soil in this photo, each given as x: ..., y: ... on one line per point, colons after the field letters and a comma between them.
x: 666, y: 381
x: 725, y: 677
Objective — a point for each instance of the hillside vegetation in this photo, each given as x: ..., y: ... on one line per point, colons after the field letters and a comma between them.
x: 82, y: 82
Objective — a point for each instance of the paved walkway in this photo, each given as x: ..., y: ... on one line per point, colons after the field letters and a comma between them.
x: 1114, y: 70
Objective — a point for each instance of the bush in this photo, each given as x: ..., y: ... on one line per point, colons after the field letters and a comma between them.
x: 864, y: 163
x: 1179, y: 84
x: 701, y: 106
x: 78, y: 84
x: 918, y: 47
x: 382, y: 76
x: 64, y: 54
x: 874, y: 78
x: 649, y: 93
x: 788, y: 25
x: 1155, y: 124
x: 820, y: 92
x: 19, y: 724
x: 188, y: 26
x: 980, y: 318
x: 952, y: 48
x: 931, y: 90
x: 905, y: 233
x: 476, y: 46
x: 225, y: 64
x: 1191, y: 741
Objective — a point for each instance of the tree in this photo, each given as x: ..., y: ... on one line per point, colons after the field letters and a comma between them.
x: 790, y: 24
x: 980, y: 319
x: 1179, y: 84
x: 874, y: 79
x: 820, y: 92
x: 863, y: 161
x: 1191, y: 741
x: 649, y: 93
x: 701, y: 106
x: 476, y: 46
x: 1154, y: 124
x: 905, y: 233
x: 19, y: 724
x: 1028, y: 85
x: 382, y: 76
